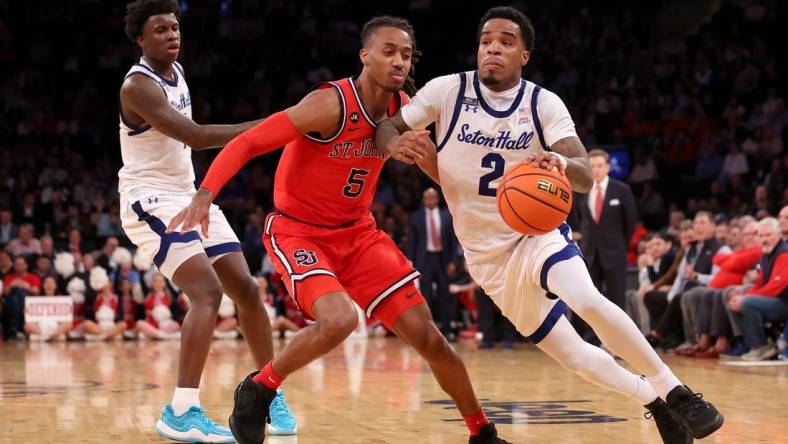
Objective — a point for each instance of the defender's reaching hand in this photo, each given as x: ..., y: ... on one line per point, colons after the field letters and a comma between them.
x: 196, y: 213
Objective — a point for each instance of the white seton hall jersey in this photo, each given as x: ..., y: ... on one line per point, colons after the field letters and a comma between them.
x: 481, y: 134
x: 152, y: 162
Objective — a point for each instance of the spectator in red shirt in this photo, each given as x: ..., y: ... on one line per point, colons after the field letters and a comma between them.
x: 767, y: 300
x: 16, y: 287
x: 632, y: 247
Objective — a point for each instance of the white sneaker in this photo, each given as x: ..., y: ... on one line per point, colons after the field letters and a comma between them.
x: 762, y: 353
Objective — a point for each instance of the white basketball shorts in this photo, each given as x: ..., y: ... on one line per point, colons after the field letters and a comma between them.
x: 517, y: 281
x: 146, y: 219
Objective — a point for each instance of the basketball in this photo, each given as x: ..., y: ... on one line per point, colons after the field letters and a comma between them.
x: 534, y: 200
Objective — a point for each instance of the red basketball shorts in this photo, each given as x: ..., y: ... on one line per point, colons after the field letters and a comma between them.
x: 358, y: 259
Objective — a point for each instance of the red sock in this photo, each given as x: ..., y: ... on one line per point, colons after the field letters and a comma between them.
x: 268, y: 377
x: 476, y: 422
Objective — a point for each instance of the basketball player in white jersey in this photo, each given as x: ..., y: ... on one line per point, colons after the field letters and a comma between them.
x: 157, y: 136
x: 487, y: 121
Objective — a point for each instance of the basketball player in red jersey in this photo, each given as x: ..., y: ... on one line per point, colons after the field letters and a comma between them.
x: 322, y: 237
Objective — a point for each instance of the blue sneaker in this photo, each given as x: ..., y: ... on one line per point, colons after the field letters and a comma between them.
x: 735, y: 352
x: 192, y: 426
x: 486, y: 345
x: 281, y: 419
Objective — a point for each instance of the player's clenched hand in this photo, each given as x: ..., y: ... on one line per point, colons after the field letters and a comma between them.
x: 544, y: 159
x: 196, y: 213
x: 410, y: 146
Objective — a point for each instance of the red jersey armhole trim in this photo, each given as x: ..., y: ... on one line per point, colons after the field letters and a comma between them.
x: 361, y: 105
x: 343, y: 117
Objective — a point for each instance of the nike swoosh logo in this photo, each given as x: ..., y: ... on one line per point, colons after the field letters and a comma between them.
x: 353, y: 129
x: 410, y: 295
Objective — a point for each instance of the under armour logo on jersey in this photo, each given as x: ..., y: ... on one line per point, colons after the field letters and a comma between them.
x: 152, y: 200
x: 354, y: 117
x: 304, y: 258
x: 471, y: 104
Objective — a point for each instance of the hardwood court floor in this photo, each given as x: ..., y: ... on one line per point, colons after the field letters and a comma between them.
x: 370, y: 392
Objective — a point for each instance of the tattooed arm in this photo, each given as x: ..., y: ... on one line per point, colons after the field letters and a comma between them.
x: 577, y: 170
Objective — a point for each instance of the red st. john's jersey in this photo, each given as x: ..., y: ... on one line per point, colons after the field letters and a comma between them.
x: 331, y: 182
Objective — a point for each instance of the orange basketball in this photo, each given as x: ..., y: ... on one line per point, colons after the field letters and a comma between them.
x: 534, y: 200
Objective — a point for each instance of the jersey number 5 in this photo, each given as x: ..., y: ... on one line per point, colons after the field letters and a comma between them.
x: 496, y: 162
x: 355, y: 183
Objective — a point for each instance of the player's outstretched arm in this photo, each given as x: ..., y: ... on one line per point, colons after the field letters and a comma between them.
x: 142, y: 96
x: 318, y: 112
x: 395, y: 138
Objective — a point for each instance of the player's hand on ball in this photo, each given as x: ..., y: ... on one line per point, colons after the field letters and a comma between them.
x: 410, y: 146
x: 545, y: 159
x: 196, y: 213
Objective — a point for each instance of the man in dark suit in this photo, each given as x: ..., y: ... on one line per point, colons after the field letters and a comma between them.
x: 603, y: 221
x: 431, y: 246
x: 606, y: 218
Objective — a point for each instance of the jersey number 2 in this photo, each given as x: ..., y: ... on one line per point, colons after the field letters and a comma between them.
x: 496, y: 162
x: 355, y: 183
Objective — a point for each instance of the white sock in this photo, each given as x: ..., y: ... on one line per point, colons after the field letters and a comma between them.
x: 645, y: 392
x: 183, y: 398
x: 664, y: 382
x: 616, y: 330
x: 593, y: 364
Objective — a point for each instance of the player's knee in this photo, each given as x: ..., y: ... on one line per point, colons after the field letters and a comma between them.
x: 208, y: 295
x: 245, y: 295
x: 592, y: 306
x: 339, y: 326
x: 432, y: 344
